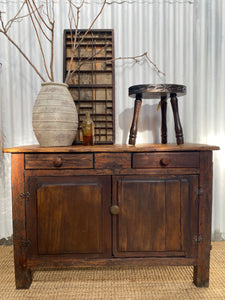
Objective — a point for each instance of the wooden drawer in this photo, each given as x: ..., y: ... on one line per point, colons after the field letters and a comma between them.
x: 59, y: 161
x: 165, y: 160
x: 112, y: 160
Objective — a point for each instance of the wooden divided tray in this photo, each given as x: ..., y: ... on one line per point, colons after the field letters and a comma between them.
x: 92, y: 85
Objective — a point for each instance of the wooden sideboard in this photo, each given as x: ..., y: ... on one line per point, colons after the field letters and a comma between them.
x: 147, y: 204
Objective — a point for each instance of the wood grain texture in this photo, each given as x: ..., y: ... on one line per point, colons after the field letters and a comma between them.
x: 49, y: 161
x: 155, y: 216
x: 201, y: 270
x: 172, y: 160
x: 23, y: 275
x: 134, y: 124
x: 112, y: 148
x: 164, y: 199
x: 69, y: 215
x: 112, y: 160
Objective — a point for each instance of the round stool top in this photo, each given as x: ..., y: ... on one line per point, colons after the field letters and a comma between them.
x: 154, y: 91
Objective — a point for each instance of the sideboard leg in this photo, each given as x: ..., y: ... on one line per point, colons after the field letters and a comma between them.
x: 133, y: 129
x: 201, y: 275
x: 23, y: 277
x: 201, y: 271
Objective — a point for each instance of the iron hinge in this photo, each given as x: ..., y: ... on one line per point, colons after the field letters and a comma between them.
x: 25, y: 195
x: 197, y: 238
x: 199, y: 191
x: 25, y: 243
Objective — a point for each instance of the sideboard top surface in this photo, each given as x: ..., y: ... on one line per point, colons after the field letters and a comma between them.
x: 112, y: 148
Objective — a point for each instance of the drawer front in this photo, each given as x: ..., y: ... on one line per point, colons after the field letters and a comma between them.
x: 59, y: 161
x: 112, y: 160
x: 165, y: 160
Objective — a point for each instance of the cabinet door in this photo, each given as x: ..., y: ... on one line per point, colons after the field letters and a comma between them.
x: 158, y: 216
x: 69, y: 215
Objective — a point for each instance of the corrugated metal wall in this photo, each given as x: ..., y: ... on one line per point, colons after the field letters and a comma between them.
x: 185, y: 39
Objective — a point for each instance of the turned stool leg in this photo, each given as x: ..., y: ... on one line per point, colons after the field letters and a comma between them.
x: 178, y: 127
x: 133, y: 129
x: 163, y: 126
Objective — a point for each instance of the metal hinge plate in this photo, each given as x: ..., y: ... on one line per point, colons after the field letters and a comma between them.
x: 199, y: 191
x: 197, y: 238
x: 25, y: 243
x: 25, y: 195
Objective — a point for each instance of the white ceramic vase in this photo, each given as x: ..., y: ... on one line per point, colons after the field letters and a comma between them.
x: 54, y: 116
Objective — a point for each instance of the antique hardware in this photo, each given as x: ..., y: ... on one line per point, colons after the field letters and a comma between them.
x: 199, y: 191
x: 115, y: 210
x: 197, y: 238
x: 164, y: 162
x: 25, y: 243
x: 57, y: 162
x: 25, y: 195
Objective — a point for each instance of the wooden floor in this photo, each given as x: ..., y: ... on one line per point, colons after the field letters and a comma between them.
x: 115, y: 283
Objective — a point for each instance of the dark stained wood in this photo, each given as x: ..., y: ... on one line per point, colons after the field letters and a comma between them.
x: 189, y: 194
x: 114, y: 161
x: 163, y: 124
x: 173, y: 215
x: 59, y: 161
x: 201, y: 270
x: 23, y: 275
x: 111, y: 171
x: 153, y: 212
x: 69, y: 215
x: 92, y: 85
x: 165, y: 160
x: 177, y: 123
x: 62, y: 199
x: 133, y: 129
x: 154, y: 91
x: 57, y: 262
x: 113, y: 148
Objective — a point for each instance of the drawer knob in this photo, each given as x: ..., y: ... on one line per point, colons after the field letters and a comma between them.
x: 164, y: 161
x: 57, y: 162
x: 114, y: 209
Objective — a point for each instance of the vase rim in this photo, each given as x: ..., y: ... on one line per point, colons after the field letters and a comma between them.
x: 54, y: 83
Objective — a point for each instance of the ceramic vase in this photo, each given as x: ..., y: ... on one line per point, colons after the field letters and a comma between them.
x: 54, y: 116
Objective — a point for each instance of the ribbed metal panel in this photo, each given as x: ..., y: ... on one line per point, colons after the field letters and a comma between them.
x: 185, y: 39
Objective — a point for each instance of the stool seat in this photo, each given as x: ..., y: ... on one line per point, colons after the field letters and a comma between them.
x: 154, y: 91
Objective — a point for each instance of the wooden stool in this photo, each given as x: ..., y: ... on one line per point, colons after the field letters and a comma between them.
x: 153, y: 91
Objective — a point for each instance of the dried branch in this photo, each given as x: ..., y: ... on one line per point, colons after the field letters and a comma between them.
x: 29, y: 7
x: 40, y: 16
x: 36, y: 18
x: 38, y: 22
x: 23, y: 54
x: 52, y: 22
x: 77, y: 44
x: 135, y: 58
x: 10, y: 22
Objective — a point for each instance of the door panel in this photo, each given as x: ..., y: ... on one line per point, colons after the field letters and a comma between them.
x: 155, y: 216
x: 71, y: 215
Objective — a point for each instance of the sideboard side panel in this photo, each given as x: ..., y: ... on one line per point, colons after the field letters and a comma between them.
x: 22, y: 274
x: 201, y: 271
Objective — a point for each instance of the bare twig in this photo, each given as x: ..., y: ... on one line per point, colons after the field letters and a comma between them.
x: 134, y: 58
x: 76, y: 44
x: 36, y: 18
x: 52, y: 22
x: 29, y: 7
x: 38, y: 22
x: 23, y: 54
x: 10, y: 22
